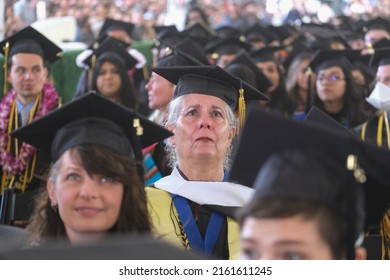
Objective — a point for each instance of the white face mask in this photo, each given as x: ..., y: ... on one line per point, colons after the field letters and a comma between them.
x: 380, y: 97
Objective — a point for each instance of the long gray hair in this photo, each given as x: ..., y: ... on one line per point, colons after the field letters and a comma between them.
x: 174, y: 109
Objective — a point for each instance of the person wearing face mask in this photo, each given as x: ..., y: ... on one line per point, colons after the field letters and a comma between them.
x: 377, y: 129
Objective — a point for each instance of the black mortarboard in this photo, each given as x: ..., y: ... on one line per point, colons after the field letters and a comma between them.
x: 380, y: 57
x: 111, y: 45
x: 265, y: 134
x: 256, y: 147
x: 113, y: 247
x: 188, y: 53
x: 227, y: 31
x: 382, y: 43
x: 113, y: 24
x: 90, y: 119
x: 377, y: 23
x: 21, y: 42
x: 199, y: 30
x: 160, y: 28
x: 258, y: 33
x: 262, y: 82
x: 327, y: 58
x: 265, y: 54
x: 172, y: 37
x: 226, y: 46
x: 210, y: 80
x: 94, y: 45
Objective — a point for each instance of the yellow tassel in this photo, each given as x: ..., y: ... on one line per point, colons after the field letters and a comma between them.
x: 6, y: 51
x: 138, y: 127
x: 385, y: 233
x: 241, y: 110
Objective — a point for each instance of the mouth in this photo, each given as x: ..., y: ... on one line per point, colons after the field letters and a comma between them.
x: 204, y: 139
x: 88, y: 211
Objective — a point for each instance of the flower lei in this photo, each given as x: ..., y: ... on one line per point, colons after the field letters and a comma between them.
x: 15, y: 165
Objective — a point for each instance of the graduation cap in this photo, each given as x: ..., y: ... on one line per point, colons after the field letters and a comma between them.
x: 111, y: 45
x: 347, y: 161
x: 168, y: 36
x: 188, y: 53
x: 227, y: 31
x: 199, y: 29
x: 26, y: 41
x: 265, y: 54
x: 159, y: 28
x: 377, y: 23
x: 257, y: 32
x: 242, y: 58
x: 382, y: 43
x: 226, y: 46
x: 327, y: 58
x: 214, y: 81
x: 113, y: 24
x: 113, y: 247
x: 91, y: 119
x: 380, y: 57
x: 94, y: 45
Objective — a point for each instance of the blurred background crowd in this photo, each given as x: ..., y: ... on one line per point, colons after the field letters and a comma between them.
x: 90, y: 14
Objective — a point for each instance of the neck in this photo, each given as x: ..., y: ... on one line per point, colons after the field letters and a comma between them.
x: 333, y: 107
x: 302, y: 93
x: 26, y: 100
x: 201, y: 171
x: 84, y: 238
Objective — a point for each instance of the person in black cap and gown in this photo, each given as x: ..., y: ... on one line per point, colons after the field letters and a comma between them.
x: 94, y: 185
x: 192, y: 207
x: 26, y: 54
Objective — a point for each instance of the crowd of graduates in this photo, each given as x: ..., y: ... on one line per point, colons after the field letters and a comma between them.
x: 228, y: 137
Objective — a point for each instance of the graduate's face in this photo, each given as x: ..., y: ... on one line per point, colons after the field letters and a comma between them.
x: 89, y: 206
x: 109, y: 81
x: 302, y: 77
x: 331, y: 84
x: 27, y: 76
x: 383, y: 74
x: 160, y: 92
x: 291, y: 238
x: 202, y: 130
x: 270, y: 70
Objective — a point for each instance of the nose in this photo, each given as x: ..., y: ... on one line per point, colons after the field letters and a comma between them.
x: 88, y: 189
x: 204, y: 122
x: 147, y: 86
x: 28, y: 75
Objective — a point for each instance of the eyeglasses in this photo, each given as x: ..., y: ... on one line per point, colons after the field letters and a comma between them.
x: 331, y: 78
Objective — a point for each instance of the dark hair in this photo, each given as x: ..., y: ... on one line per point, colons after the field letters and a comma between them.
x: 133, y: 217
x: 352, y: 99
x: 25, y: 46
x: 127, y: 93
x: 331, y: 227
x: 280, y: 100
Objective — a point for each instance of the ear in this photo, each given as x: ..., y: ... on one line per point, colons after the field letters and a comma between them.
x: 169, y: 127
x: 360, y: 253
x: 52, y: 193
x: 232, y: 133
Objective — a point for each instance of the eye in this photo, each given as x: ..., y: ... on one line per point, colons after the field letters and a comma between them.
x: 72, y: 177
x: 217, y: 114
x: 335, y: 78
x: 191, y: 112
x: 107, y: 179
x: 293, y: 256
x: 250, y: 254
x: 36, y: 70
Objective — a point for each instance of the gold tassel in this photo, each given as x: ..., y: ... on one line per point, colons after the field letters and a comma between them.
x: 138, y: 127
x: 385, y: 233
x: 241, y: 110
x: 6, y: 52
